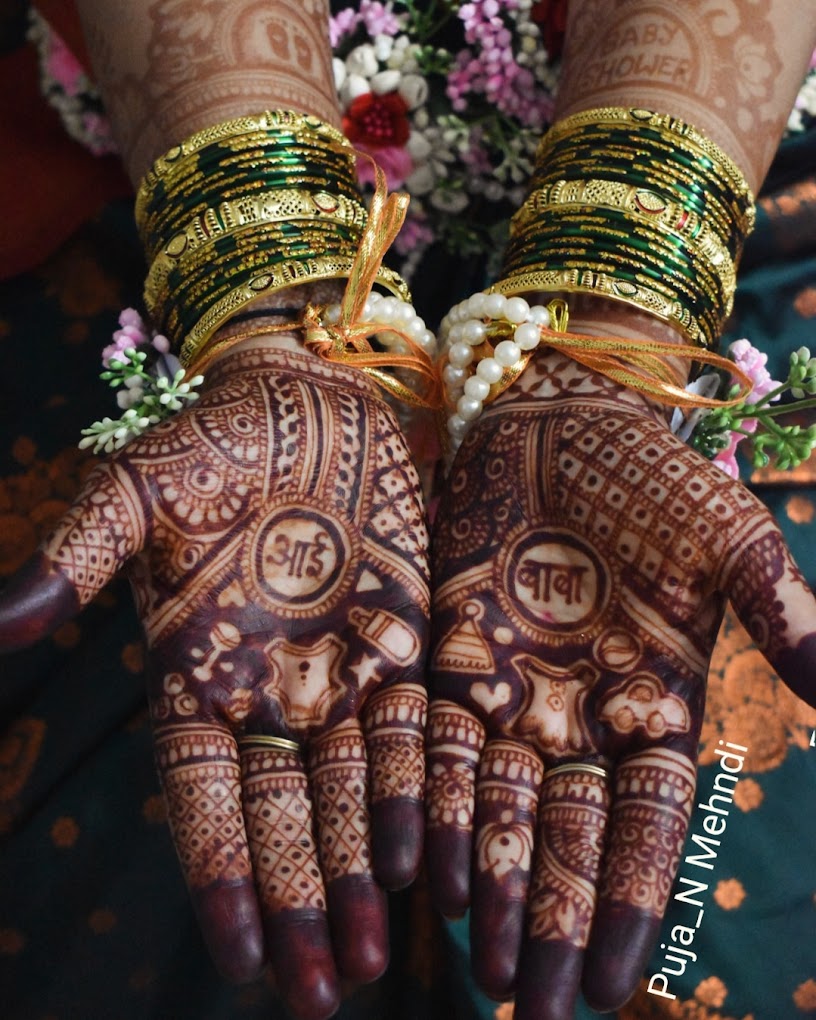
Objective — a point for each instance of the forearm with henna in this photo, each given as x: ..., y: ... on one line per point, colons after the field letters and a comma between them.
x: 731, y: 70
x: 274, y: 535
x: 168, y: 68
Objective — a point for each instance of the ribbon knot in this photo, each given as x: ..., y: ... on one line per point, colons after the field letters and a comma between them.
x: 348, y: 340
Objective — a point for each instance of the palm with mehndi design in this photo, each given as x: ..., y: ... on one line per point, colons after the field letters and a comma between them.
x: 277, y: 547
x: 582, y: 559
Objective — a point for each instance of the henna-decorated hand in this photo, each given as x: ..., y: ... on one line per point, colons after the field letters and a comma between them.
x: 277, y: 547
x: 582, y: 559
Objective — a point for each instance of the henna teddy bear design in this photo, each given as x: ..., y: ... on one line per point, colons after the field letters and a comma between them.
x: 582, y: 558
x: 276, y: 543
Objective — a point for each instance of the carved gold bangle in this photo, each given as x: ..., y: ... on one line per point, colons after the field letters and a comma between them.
x: 254, y: 128
x: 678, y: 134
x: 644, y: 205
x: 592, y: 282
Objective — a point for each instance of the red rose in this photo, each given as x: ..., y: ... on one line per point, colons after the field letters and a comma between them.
x: 377, y: 121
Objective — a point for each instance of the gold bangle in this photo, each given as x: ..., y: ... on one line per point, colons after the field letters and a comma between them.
x: 593, y: 282
x: 677, y: 132
x: 256, y: 128
x: 647, y: 206
x: 192, y: 246
x: 285, y: 274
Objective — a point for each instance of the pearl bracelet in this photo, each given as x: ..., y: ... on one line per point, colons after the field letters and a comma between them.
x: 391, y: 311
x: 487, y: 341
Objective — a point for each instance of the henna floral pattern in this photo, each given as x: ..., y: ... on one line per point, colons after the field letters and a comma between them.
x: 582, y: 559
x: 276, y: 543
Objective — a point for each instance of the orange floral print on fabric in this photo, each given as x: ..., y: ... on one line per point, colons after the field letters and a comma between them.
x: 711, y: 991
x: 805, y: 303
x: 644, y: 1006
x: 78, y: 281
x: 729, y: 894
x: 804, y: 997
x: 33, y: 501
x: 748, y: 794
x: 64, y: 832
x: 800, y: 509
x: 19, y: 752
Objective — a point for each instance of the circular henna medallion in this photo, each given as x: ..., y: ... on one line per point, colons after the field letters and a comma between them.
x: 300, y: 560
x: 553, y: 585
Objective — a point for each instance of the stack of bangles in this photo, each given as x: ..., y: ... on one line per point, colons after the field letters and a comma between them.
x: 257, y: 205
x: 625, y: 204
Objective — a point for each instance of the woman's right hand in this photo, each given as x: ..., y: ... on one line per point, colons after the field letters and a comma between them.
x: 275, y: 538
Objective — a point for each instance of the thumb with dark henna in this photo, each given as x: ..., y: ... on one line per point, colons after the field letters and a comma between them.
x: 775, y: 604
x: 101, y: 531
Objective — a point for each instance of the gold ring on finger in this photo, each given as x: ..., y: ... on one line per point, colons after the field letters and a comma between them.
x: 577, y: 766
x: 248, y: 742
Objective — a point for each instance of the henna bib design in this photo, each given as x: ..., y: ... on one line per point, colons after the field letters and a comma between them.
x: 553, y: 585
x: 300, y: 561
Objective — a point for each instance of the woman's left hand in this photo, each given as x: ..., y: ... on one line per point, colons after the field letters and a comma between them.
x: 582, y: 557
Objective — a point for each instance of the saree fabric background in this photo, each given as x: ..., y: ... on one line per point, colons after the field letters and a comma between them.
x: 94, y: 918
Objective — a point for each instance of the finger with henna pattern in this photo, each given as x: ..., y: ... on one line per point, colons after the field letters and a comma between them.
x: 653, y: 795
x: 774, y: 602
x: 278, y: 813
x: 394, y: 727
x: 105, y: 527
x: 356, y: 904
x: 572, y: 821
x: 454, y: 744
x: 201, y: 777
x: 506, y: 803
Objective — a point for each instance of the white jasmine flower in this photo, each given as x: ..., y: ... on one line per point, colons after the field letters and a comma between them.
x: 339, y: 69
x: 421, y: 180
x: 362, y: 60
x: 414, y: 90
x: 449, y: 200
x: 354, y: 85
x: 418, y: 147
x: 385, y: 81
x: 383, y: 47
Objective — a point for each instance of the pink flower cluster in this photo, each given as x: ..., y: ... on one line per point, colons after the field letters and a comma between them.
x: 132, y: 333
x: 378, y: 19
x: 490, y: 68
x: 753, y: 363
x: 63, y: 66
